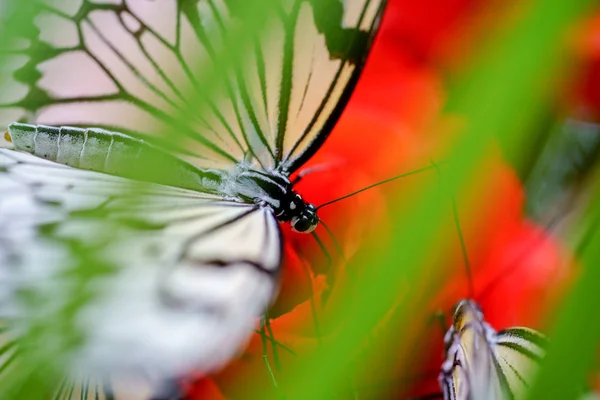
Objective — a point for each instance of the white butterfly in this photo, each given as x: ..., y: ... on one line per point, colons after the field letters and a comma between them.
x: 175, y: 259
x: 482, y: 363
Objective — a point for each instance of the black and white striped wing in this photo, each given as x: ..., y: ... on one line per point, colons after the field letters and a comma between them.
x: 147, y: 278
x: 167, y: 68
x: 482, y: 364
x: 518, y: 353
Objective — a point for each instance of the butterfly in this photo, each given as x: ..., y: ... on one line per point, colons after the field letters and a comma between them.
x: 482, y: 363
x: 174, y: 239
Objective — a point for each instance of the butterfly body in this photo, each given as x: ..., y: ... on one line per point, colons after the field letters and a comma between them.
x: 121, y: 155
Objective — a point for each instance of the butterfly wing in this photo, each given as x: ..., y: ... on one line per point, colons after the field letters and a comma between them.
x: 130, y: 387
x: 156, y: 279
x: 518, y: 352
x: 162, y: 68
x: 324, y: 46
x: 484, y: 364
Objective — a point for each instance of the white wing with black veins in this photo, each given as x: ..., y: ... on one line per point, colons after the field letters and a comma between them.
x: 162, y: 67
x: 162, y: 280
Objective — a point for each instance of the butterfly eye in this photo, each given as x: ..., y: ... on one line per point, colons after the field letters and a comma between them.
x: 303, y: 224
x: 306, y: 222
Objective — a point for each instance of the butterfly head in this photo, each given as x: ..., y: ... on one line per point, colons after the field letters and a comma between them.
x: 301, y: 215
x: 306, y: 220
x: 467, y: 312
x: 272, y: 189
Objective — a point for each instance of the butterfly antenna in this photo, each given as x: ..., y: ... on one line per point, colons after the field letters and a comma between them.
x: 461, y: 238
x: 393, y: 178
x: 463, y: 248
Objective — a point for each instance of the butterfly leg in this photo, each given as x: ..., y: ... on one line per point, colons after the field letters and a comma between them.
x: 271, y: 336
x: 265, y: 356
x: 331, y: 276
x: 339, y: 251
x: 313, y: 306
